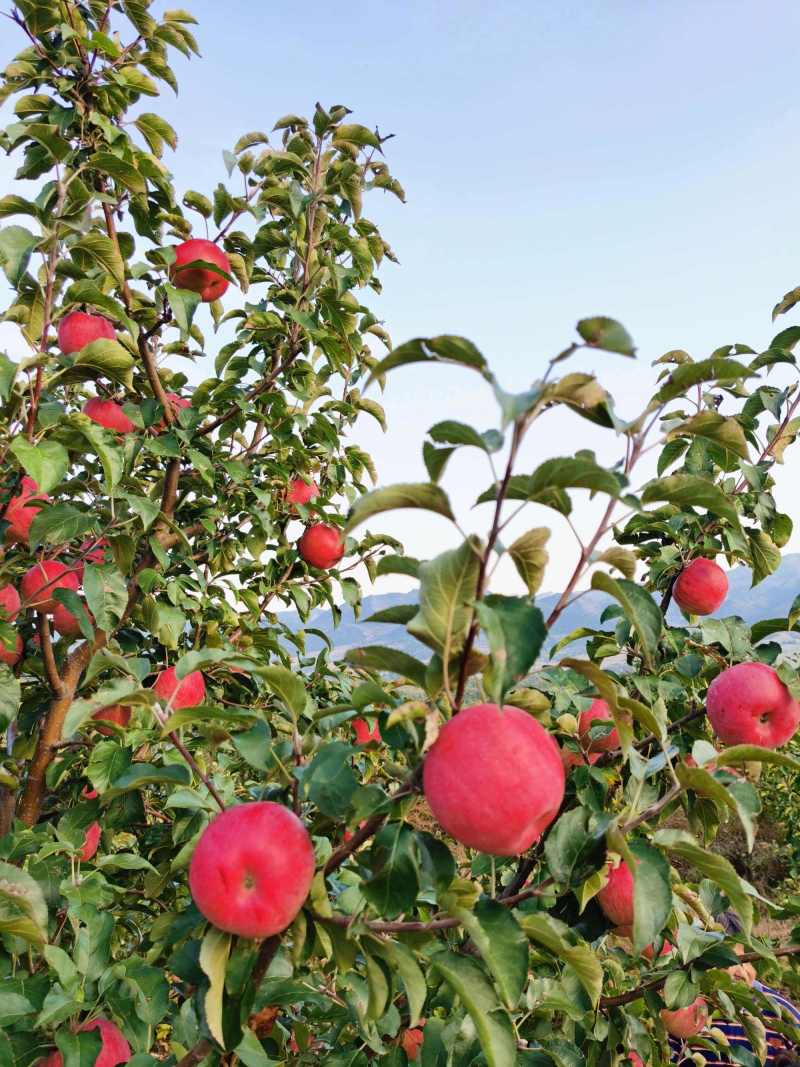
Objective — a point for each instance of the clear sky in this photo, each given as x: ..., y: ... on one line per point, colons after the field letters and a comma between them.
x: 627, y: 157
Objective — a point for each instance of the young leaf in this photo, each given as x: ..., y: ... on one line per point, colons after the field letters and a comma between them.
x: 608, y: 334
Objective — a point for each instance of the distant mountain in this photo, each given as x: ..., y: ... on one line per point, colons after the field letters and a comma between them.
x: 772, y: 598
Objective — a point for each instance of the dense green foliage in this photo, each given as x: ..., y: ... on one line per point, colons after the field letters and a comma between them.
x: 509, y: 960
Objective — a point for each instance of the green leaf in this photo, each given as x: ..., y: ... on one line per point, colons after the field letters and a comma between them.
x: 184, y: 304
x: 492, y: 1024
x: 739, y: 754
x: 111, y: 456
x: 330, y: 780
x: 101, y: 249
x: 394, y: 883
x: 23, y: 911
x: 690, y: 490
x: 447, y: 588
x: 8, y: 372
x: 786, y: 303
x: 57, y: 524
x: 126, y: 691
x: 381, y: 658
x: 503, y: 946
x: 608, y: 334
x: 765, y: 555
x: 139, y: 775
x: 120, y: 171
x: 16, y: 247
x: 356, y: 134
x: 401, y: 960
x: 46, y: 462
x: 652, y: 893
x: 155, y: 131
x: 620, y: 558
x: 519, y: 488
x: 443, y: 349
x: 716, y: 369
x: 552, y: 935
x: 458, y: 433
x: 288, y: 686
x: 515, y: 630
x: 106, y: 594
x: 530, y: 557
x: 424, y: 495
x: 723, y: 431
x: 575, y: 845
x: 607, y: 689
x: 10, y: 696
x: 214, y: 952
x: 105, y: 358
x: 79, y: 1049
x: 640, y: 609
x: 575, y: 472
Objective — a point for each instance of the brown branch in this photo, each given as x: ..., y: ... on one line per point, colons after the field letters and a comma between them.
x: 50, y: 668
x: 653, y: 810
x: 161, y: 718
x: 266, y: 954
x: 197, y: 1054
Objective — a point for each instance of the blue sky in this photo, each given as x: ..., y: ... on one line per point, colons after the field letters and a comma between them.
x: 636, y: 159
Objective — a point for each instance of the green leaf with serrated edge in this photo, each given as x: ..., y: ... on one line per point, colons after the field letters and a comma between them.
x: 530, y: 557
x: 652, y: 893
x: 183, y: 304
x: 607, y: 689
x: 214, y: 952
x: 57, y: 524
x: 288, y: 686
x: 716, y: 369
x: 447, y: 587
x: 16, y: 247
x: 398, y: 565
x: 400, y: 614
x: 139, y: 775
x: 575, y: 472
x: 492, y: 1024
x: 329, y: 779
x: 105, y: 446
x: 10, y: 696
x: 380, y: 658
x: 715, y: 427
x: 554, y: 936
x: 443, y: 349
x: 424, y: 495
x: 515, y: 630
x: 393, y: 886
x: 620, y: 559
x: 401, y: 959
x: 102, y: 250
x: 607, y: 334
x: 575, y: 844
x: 46, y: 462
x: 502, y: 944
x: 739, y: 754
x: 102, y: 358
x: 197, y: 659
x: 126, y: 691
x: 356, y: 134
x: 23, y: 911
x: 520, y: 488
x: 640, y: 609
x: 106, y: 594
x: 765, y: 556
x: 713, y: 866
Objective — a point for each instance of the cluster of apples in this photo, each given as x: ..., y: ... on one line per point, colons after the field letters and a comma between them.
x: 321, y: 544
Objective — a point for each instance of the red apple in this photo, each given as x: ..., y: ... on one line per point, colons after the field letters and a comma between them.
x: 40, y: 583
x: 363, y: 733
x: 411, y: 1043
x: 177, y: 403
x: 301, y: 492
x: 252, y: 869
x: 209, y: 285
x: 616, y: 896
x: 12, y: 656
x: 88, y: 793
x: 748, y: 704
x: 598, y: 711
x: 634, y: 1058
x: 570, y: 758
x: 9, y: 601
x: 108, y: 413
x: 113, y: 1050
x: 119, y: 715
x: 321, y: 546
x: 79, y: 329
x: 686, y: 1022
x: 186, y: 693
x: 21, y: 511
x: 701, y: 587
x: 649, y: 951
x: 65, y: 623
x: 90, y: 842
x: 494, y: 779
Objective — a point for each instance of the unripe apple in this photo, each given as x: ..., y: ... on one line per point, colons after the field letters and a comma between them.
x: 252, y: 869
x: 186, y: 693
x: 701, y: 587
x: 209, y: 285
x: 114, y: 1049
x: 90, y: 842
x: 494, y: 779
x: 108, y: 413
x: 598, y: 711
x: 9, y: 601
x: 21, y: 511
x: 12, y: 656
x: 177, y: 403
x: 301, y: 492
x: 686, y: 1022
x: 321, y: 546
x: 748, y: 704
x: 40, y: 583
x: 363, y: 733
x: 119, y: 715
x: 616, y: 896
x: 79, y: 329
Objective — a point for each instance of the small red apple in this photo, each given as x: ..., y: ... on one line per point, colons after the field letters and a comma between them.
x: 616, y: 896
x: 634, y: 1058
x: 570, y: 758
x: 598, y: 711
x: 301, y: 492
x: 119, y: 715
x: 363, y: 733
x: 748, y: 704
x: 494, y: 779
x: 186, y: 693
x: 649, y: 951
x: 108, y: 413
x: 321, y: 546
x: 252, y: 869
x: 114, y: 1049
x: 411, y: 1043
x: 88, y: 793
x: 79, y: 329
x: 209, y: 285
x: 90, y: 842
x: 701, y: 587
x: 9, y: 601
x: 686, y: 1022
x: 40, y: 583
x: 177, y: 403
x: 12, y: 656
x: 21, y: 511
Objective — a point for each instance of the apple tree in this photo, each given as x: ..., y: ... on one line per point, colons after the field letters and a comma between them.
x: 216, y: 846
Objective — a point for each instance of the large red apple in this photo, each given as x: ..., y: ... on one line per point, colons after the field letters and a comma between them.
x: 598, y: 711
x: 21, y: 511
x: 119, y: 715
x: 701, y: 587
x: 12, y: 656
x: 90, y: 842
x: 209, y: 285
x: 686, y: 1022
x: 186, y: 693
x: 79, y: 329
x: 252, y: 869
x: 748, y: 704
x: 301, y: 492
x: 108, y: 413
x: 616, y: 896
x: 321, y: 546
x: 9, y: 601
x: 494, y: 779
x: 40, y: 583
x: 113, y: 1050
x: 363, y: 733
